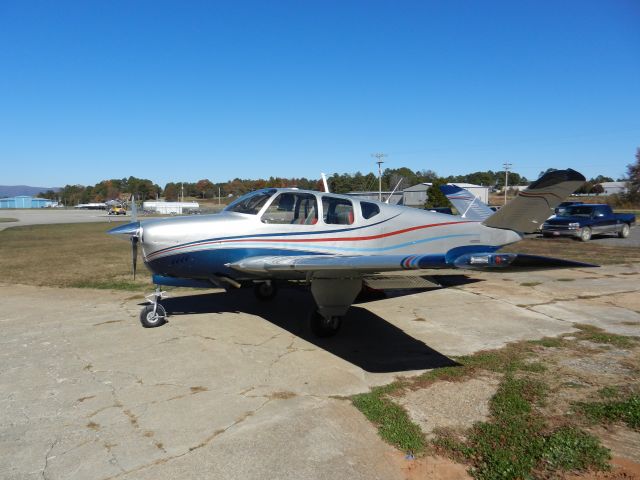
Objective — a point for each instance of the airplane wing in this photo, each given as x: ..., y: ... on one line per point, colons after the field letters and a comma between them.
x: 358, y: 265
x: 468, y: 205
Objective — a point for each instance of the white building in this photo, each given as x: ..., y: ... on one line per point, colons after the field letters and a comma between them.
x: 170, y: 208
x: 394, y: 198
x: 416, y: 196
x: 614, y: 187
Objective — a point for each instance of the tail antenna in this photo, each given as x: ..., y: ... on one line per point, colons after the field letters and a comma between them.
x: 324, y: 182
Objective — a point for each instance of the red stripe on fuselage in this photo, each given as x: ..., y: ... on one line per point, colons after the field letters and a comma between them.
x: 307, y: 240
x: 343, y: 239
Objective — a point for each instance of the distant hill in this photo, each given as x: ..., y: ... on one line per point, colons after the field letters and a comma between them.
x: 13, y: 190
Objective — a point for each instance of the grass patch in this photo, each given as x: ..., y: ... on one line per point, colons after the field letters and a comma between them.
x: 108, y: 285
x: 7, y: 219
x: 517, y: 442
x: 616, y: 406
x: 570, y: 448
x: 589, y: 252
x: 565, y: 280
x: 530, y: 284
x: 68, y: 255
x: 549, y: 342
x: 597, y: 335
x: 393, y: 423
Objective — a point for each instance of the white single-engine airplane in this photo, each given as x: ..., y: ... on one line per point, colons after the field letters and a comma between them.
x: 332, y: 242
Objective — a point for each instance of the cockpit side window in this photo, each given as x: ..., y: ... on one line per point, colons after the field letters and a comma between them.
x: 292, y: 208
x: 369, y: 210
x: 337, y: 211
x: 251, y: 203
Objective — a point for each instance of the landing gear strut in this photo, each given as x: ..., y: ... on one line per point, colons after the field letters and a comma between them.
x: 154, y: 315
x: 333, y: 297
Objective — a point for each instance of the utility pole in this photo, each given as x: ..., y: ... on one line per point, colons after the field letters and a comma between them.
x: 507, y: 166
x: 379, y: 156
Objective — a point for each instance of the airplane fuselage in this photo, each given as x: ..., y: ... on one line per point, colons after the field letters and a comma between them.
x: 199, y: 247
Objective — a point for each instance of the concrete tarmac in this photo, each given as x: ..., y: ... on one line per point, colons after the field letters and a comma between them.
x: 238, y: 389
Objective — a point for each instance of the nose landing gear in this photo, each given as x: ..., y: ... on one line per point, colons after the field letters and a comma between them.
x: 154, y: 315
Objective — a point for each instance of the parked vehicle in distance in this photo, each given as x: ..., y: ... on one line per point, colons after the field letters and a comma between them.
x: 584, y: 220
x: 117, y: 211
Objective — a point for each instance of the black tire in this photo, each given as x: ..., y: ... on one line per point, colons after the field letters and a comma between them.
x: 624, y: 231
x: 265, y: 291
x: 546, y: 235
x: 147, y: 318
x: 323, y: 328
x: 585, y: 234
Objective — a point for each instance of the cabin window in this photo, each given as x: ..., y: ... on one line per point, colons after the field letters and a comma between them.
x: 251, y: 203
x: 292, y: 208
x: 337, y: 211
x: 369, y: 210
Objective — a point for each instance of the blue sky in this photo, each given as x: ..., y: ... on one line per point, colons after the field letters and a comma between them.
x: 179, y: 91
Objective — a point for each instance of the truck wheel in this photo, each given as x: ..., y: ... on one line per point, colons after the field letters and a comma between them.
x: 624, y: 231
x: 585, y: 234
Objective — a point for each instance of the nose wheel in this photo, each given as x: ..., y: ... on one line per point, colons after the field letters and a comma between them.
x: 153, y: 315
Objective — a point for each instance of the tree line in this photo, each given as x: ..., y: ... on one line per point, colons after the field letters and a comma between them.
x: 392, y: 179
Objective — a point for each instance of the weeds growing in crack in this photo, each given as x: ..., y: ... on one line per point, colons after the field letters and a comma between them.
x: 617, y: 404
x: 518, y: 440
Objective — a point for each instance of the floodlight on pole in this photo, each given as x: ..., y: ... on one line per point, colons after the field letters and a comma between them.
x: 507, y: 166
x: 379, y: 156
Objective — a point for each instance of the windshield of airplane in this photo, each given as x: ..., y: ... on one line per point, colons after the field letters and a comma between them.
x: 580, y: 211
x: 251, y: 203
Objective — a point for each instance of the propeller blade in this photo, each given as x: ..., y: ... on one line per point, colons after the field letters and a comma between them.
x: 134, y: 254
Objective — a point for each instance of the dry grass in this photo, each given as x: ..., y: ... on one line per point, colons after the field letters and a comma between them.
x: 68, y: 255
x: 570, y: 249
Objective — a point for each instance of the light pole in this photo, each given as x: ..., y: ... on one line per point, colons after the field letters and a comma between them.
x: 507, y: 166
x: 379, y: 156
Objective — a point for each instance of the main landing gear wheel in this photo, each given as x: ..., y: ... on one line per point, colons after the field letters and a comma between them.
x: 585, y: 234
x: 265, y: 291
x: 152, y: 317
x: 324, y: 327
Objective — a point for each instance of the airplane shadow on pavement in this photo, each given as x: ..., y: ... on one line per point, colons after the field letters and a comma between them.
x: 365, y: 339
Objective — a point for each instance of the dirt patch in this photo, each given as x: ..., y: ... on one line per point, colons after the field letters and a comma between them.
x: 430, y: 467
x: 456, y: 405
x: 622, y: 469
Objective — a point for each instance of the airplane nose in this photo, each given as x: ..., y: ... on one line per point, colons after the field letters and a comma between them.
x: 129, y: 229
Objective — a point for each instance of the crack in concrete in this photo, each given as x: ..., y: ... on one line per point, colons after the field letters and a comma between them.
x: 259, y: 344
x: 550, y: 302
x: 46, y: 458
x: 193, y: 448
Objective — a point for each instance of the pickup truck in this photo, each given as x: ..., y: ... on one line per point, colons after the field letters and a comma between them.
x: 583, y: 220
